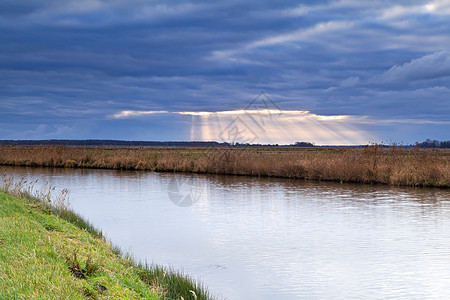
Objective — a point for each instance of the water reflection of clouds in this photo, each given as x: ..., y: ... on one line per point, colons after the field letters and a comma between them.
x: 295, y: 238
x: 294, y: 194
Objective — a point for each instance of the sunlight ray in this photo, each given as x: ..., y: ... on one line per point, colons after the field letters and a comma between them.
x: 276, y: 127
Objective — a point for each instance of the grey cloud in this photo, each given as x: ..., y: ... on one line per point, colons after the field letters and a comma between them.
x: 349, y: 82
x: 84, y: 60
x: 430, y: 66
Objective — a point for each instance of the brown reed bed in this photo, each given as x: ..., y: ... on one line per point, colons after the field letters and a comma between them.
x: 372, y: 164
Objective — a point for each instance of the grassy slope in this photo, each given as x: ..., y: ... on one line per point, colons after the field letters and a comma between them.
x: 33, y: 250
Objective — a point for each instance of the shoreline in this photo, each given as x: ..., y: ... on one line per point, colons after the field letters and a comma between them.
x: 63, y: 255
x: 393, y: 166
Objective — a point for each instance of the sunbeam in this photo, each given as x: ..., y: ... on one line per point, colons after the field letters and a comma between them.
x: 268, y: 126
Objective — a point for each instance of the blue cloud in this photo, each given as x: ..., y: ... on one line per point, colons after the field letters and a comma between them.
x: 68, y: 63
x: 431, y: 66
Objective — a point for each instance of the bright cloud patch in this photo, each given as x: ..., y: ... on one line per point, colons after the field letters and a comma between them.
x: 269, y: 126
x: 277, y: 127
x: 135, y: 113
x: 439, y: 7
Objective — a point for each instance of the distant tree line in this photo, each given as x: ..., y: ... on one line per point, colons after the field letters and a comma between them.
x: 426, y: 144
x: 433, y: 144
x: 144, y: 143
x: 110, y: 143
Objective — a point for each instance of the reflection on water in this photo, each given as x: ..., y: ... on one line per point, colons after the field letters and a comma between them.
x: 250, y: 238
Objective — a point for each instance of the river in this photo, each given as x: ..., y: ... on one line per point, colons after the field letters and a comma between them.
x: 253, y: 238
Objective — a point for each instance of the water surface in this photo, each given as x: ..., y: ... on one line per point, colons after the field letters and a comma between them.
x: 251, y: 238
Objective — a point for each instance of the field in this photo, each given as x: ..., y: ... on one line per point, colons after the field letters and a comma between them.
x: 372, y: 165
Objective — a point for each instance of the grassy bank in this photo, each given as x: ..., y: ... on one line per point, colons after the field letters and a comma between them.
x: 393, y: 166
x: 48, y: 252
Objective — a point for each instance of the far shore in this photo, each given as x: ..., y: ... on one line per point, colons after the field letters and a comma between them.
x: 395, y: 166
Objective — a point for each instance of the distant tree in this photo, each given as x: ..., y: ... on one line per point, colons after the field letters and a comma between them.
x: 445, y: 144
x: 303, y: 144
x: 433, y: 144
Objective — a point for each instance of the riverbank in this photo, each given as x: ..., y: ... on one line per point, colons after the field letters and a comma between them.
x: 47, y: 251
x: 373, y: 164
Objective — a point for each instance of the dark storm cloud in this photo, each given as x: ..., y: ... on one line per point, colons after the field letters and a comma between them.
x: 65, y: 66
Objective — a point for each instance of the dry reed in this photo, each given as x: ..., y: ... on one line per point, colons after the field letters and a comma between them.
x: 372, y: 164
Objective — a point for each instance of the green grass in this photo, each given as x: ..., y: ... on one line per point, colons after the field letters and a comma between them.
x: 41, y: 245
x: 34, y: 247
x: 172, y: 281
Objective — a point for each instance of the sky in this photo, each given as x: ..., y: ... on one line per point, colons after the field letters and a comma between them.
x: 329, y: 72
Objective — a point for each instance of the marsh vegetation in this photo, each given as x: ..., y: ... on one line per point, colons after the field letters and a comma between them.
x: 373, y: 164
